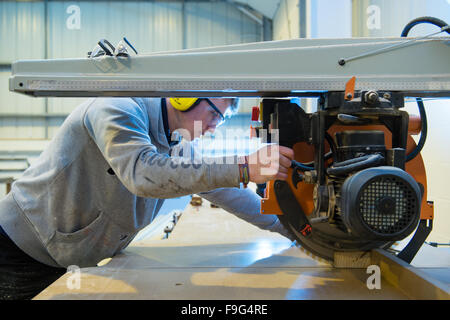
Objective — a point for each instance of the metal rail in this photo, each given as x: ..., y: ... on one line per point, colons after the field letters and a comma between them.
x: 273, y: 69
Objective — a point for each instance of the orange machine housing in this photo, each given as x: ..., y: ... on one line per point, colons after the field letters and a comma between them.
x: 304, y: 152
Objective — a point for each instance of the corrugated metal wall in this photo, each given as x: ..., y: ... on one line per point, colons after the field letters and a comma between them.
x: 67, y: 29
x: 74, y: 27
x: 22, y: 30
x: 21, y: 33
x: 286, y: 21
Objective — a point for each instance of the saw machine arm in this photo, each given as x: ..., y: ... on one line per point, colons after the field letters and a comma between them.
x: 358, y: 182
x: 268, y: 69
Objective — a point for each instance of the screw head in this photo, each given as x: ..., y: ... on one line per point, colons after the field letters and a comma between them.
x: 371, y: 96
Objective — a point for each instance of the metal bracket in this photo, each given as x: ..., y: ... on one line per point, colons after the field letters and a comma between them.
x: 423, y: 230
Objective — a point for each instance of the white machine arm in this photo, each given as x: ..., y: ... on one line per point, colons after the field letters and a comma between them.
x: 418, y: 67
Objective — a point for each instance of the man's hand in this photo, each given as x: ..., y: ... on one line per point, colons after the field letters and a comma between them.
x: 270, y: 163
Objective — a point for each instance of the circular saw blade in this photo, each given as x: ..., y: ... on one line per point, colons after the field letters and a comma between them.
x: 323, y: 245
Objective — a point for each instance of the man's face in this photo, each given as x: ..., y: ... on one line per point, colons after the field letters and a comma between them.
x: 203, y: 117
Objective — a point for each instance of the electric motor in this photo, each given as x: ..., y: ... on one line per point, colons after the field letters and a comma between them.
x: 380, y: 203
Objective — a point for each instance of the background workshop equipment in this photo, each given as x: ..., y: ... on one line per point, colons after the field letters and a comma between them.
x: 363, y: 178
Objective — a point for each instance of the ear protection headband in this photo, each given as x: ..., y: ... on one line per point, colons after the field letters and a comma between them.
x: 183, y: 104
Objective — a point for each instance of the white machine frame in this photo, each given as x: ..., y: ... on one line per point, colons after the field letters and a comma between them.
x: 415, y: 66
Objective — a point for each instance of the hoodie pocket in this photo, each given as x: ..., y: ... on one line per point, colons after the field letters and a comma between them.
x: 87, y: 246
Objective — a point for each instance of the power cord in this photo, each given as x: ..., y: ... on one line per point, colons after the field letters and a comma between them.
x: 423, y: 116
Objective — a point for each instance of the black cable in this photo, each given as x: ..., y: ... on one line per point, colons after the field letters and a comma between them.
x: 309, y: 165
x: 356, y: 164
x: 423, y: 131
x: 333, y: 147
x: 431, y: 20
x: 423, y: 116
x: 435, y: 244
x: 301, y: 166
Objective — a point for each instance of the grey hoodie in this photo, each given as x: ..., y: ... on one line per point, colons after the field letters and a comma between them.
x: 103, y: 178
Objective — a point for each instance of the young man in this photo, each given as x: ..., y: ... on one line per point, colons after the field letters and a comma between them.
x: 103, y: 178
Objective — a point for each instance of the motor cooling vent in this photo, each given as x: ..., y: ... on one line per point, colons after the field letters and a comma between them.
x: 381, y: 203
x: 387, y: 205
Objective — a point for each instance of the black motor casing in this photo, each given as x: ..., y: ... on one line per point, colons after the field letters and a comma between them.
x: 353, y: 143
x: 380, y: 203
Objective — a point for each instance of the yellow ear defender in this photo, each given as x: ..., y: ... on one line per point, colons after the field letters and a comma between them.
x: 182, y: 104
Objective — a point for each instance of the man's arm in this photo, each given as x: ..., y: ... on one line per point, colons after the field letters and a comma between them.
x: 120, y: 128
x: 246, y: 204
x: 243, y: 203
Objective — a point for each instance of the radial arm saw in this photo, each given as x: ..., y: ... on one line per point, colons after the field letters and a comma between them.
x: 358, y: 181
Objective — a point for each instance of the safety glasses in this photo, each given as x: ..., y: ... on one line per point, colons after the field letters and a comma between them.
x: 218, y: 115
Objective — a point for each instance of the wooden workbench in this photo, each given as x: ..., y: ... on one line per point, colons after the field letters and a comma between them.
x: 210, y: 254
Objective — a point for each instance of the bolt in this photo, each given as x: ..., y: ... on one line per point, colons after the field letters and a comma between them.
x: 387, y: 95
x: 371, y: 96
x: 341, y: 62
x: 349, y: 96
